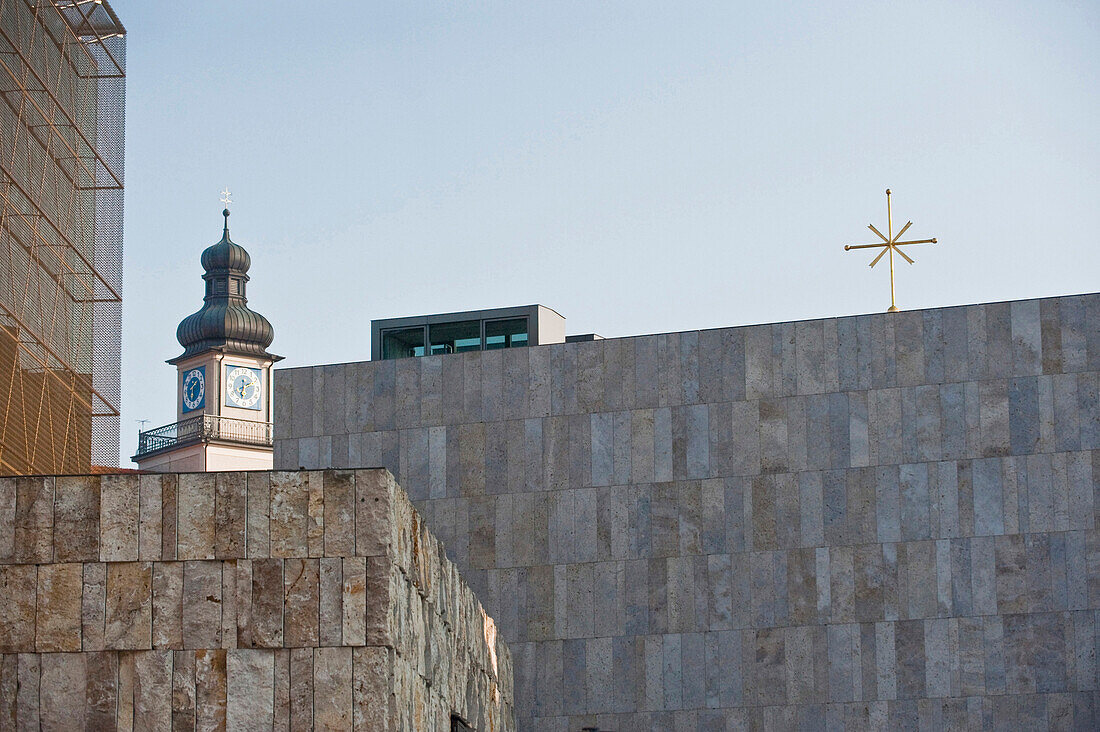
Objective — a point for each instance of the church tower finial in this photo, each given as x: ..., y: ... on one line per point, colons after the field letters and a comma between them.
x: 226, y: 199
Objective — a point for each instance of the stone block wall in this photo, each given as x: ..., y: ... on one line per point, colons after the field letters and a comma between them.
x: 246, y: 600
x: 886, y: 520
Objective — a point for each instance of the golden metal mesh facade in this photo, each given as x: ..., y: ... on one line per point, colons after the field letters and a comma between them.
x: 62, y: 100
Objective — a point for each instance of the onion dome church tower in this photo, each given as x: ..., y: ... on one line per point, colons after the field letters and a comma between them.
x: 224, y: 405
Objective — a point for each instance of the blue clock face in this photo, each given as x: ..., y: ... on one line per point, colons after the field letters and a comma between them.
x: 194, y: 389
x: 243, y: 387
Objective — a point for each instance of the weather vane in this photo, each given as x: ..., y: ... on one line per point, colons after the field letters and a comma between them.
x: 890, y: 244
x: 225, y: 197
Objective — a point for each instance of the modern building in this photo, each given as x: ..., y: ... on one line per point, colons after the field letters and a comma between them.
x: 884, y: 521
x: 223, y: 414
x: 475, y: 330
x: 62, y: 106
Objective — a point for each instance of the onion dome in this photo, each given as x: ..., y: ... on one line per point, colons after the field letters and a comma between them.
x: 225, y: 322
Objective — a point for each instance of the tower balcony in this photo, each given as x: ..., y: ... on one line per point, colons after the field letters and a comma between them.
x: 204, y: 428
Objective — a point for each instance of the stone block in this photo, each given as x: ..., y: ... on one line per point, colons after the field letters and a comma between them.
x: 332, y: 692
x: 129, y: 614
x: 57, y: 616
x: 18, y: 585
x: 315, y: 531
x: 76, y: 519
x: 33, y: 520
x: 167, y: 605
x: 230, y: 514
x: 202, y: 605
x: 7, y: 518
x: 267, y: 603
x: 250, y: 689
x: 61, y: 689
x: 152, y: 690
x: 374, y: 528
x: 183, y: 690
x: 289, y: 515
x: 195, y: 532
x: 301, y: 590
x: 169, y: 504
x: 210, y: 689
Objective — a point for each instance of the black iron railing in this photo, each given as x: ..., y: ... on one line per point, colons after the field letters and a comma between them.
x: 204, y: 427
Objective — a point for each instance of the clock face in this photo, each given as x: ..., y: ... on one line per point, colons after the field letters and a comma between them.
x: 243, y: 387
x: 194, y: 389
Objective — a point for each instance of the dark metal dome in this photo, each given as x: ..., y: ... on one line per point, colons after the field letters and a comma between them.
x: 225, y: 322
x: 225, y: 254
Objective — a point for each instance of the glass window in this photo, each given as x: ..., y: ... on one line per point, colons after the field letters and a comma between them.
x: 505, y: 333
x: 455, y: 337
x: 403, y: 342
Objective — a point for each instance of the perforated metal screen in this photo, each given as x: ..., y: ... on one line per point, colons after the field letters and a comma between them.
x: 62, y: 103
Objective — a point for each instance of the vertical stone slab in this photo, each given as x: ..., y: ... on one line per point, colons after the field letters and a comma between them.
x: 34, y: 520
x: 57, y: 622
x: 301, y: 688
x: 150, y: 518
x: 94, y: 607
x: 118, y: 517
x: 202, y: 605
x: 289, y: 514
x: 250, y: 690
x: 381, y: 591
x: 169, y: 505
x: 373, y: 702
x: 183, y: 690
x: 301, y: 586
x: 332, y: 692
x: 76, y: 519
x: 153, y: 690
x: 243, y: 591
x: 229, y: 604
x: 267, y: 603
x: 129, y: 615
x: 316, y: 524
x: 7, y: 518
x: 374, y: 526
x: 61, y: 693
x: 196, y: 525
x: 210, y: 690
x: 168, y: 605
x: 101, y: 690
x: 125, y: 718
x: 339, y: 517
x: 258, y: 532
x: 230, y: 514
x: 18, y: 587
x: 331, y: 614
x: 281, y: 711
x: 28, y: 675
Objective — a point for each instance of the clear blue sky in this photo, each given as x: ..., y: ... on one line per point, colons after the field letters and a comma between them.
x: 639, y: 167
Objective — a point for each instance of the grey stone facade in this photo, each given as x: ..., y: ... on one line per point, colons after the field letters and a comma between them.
x: 875, y: 521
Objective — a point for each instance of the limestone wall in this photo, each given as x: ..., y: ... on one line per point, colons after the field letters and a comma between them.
x: 880, y: 520
x: 237, y: 600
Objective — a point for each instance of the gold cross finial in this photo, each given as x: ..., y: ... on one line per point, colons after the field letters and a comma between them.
x: 225, y: 197
x: 890, y: 244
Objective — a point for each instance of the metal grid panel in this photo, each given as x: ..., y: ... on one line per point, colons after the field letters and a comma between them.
x: 62, y: 97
